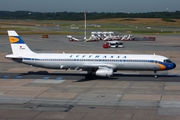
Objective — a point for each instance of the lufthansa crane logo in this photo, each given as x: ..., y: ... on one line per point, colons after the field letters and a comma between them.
x: 13, y: 39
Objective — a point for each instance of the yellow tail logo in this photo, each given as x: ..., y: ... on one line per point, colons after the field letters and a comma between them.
x: 13, y: 39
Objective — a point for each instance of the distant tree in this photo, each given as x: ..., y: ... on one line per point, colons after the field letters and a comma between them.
x: 168, y: 20
x: 79, y: 15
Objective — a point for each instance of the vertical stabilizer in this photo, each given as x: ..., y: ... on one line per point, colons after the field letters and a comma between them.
x: 18, y: 46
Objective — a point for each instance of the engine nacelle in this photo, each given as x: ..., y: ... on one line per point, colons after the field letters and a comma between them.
x: 104, y: 72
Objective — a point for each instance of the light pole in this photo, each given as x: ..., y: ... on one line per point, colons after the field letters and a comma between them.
x: 85, y: 25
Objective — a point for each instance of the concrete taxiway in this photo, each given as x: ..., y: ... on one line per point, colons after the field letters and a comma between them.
x: 27, y: 92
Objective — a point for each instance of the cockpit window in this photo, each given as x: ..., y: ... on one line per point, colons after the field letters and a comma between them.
x: 167, y: 61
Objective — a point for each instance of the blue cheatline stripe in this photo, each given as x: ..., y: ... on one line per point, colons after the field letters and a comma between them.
x: 27, y: 59
x: 18, y: 77
x: 45, y: 78
x: 5, y: 76
x: 59, y: 78
x: 31, y: 59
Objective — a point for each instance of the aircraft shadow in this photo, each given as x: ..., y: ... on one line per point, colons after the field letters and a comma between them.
x: 80, y: 76
x: 130, y: 77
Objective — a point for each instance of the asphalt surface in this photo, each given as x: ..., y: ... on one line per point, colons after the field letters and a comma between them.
x: 27, y: 92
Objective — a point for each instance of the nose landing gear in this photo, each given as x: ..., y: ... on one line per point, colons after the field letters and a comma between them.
x: 155, y: 75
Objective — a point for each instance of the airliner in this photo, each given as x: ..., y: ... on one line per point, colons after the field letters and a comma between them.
x: 95, y: 64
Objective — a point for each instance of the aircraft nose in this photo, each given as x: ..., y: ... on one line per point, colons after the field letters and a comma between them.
x: 174, y: 65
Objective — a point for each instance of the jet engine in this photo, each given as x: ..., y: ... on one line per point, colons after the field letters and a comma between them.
x: 104, y: 72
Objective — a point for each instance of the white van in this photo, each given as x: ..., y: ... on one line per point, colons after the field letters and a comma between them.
x: 115, y: 44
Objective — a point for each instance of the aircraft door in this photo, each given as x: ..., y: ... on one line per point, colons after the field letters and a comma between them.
x: 156, y: 67
x: 77, y: 62
x: 33, y: 60
x: 121, y: 63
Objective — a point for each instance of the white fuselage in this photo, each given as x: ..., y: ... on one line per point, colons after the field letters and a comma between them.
x: 85, y: 61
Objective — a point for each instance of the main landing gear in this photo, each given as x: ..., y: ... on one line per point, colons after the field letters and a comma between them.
x: 90, y: 75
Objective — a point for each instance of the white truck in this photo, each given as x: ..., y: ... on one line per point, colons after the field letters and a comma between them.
x: 113, y: 44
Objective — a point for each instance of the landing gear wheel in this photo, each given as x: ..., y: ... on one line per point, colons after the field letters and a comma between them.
x: 89, y: 76
x: 155, y: 75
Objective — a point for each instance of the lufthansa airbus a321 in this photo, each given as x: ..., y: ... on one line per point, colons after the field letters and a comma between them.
x: 95, y: 64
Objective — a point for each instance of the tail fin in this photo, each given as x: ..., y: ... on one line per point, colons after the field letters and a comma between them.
x: 18, y: 46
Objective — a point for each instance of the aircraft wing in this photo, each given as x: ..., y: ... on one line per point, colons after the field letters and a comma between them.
x: 97, y: 66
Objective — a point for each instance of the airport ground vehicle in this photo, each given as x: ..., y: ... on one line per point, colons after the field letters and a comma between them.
x: 45, y: 36
x: 113, y: 44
